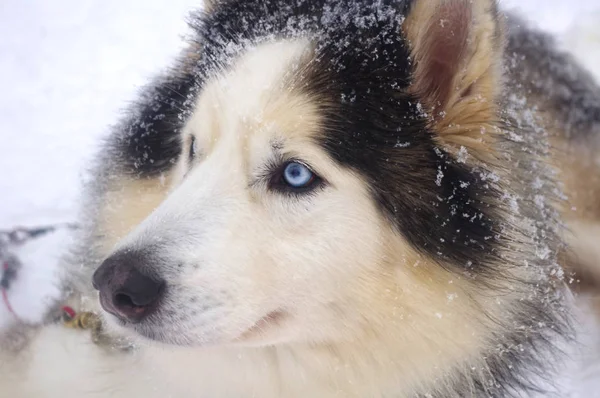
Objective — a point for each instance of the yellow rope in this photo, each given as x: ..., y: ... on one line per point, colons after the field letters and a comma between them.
x: 84, y: 320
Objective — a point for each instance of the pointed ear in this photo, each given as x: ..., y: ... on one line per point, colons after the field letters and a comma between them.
x: 456, y: 49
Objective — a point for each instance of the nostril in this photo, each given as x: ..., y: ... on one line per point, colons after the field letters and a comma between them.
x: 135, y: 297
x: 123, y: 300
x: 133, y: 306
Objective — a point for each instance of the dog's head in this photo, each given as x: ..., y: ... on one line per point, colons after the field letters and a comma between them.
x: 318, y: 186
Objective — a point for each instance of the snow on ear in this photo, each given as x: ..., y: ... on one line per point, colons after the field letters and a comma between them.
x: 456, y: 49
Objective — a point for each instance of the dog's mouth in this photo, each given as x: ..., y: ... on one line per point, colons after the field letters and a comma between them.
x: 263, y: 325
x: 152, y: 331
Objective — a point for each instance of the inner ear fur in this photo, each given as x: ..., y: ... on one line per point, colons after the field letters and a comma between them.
x: 456, y: 52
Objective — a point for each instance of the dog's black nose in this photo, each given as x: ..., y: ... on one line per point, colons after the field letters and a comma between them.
x: 125, y: 290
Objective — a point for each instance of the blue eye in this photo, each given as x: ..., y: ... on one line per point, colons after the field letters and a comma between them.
x: 297, y: 175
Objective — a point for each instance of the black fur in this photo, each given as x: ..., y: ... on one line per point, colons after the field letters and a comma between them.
x: 149, y: 141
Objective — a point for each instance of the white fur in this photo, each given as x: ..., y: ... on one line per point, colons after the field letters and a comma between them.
x: 38, y: 281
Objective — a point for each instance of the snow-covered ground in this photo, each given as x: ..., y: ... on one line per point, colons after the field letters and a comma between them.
x: 68, y: 66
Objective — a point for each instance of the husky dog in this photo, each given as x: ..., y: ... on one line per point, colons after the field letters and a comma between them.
x: 336, y: 198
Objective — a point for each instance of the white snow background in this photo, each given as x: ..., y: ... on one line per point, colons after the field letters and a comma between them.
x: 67, y: 67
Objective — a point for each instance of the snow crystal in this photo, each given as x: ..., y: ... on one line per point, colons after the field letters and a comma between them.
x: 439, y: 177
x: 421, y: 110
x: 402, y: 144
x: 461, y: 156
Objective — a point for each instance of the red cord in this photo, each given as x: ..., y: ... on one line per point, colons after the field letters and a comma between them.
x: 7, y: 303
x: 6, y: 300
x: 69, y: 311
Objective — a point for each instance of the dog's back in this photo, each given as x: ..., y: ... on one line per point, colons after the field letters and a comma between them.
x: 566, y: 99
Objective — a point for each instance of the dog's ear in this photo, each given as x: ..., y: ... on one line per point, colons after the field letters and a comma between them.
x: 456, y: 51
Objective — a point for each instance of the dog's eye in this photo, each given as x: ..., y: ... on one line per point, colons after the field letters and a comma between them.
x: 192, y: 150
x: 294, y: 177
x: 297, y: 175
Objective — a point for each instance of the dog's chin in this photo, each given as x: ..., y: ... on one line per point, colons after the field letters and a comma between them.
x: 167, y: 337
x: 144, y: 332
x: 264, y: 332
x: 267, y: 331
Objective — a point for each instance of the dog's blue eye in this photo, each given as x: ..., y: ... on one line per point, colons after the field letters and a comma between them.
x: 297, y: 175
